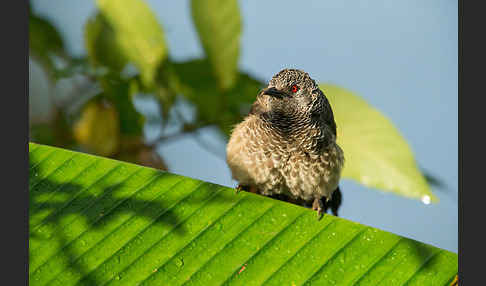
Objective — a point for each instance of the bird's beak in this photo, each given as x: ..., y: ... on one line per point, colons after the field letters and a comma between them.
x: 272, y: 91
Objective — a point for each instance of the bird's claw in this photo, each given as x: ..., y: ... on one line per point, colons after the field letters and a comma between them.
x: 238, y: 189
x: 318, y: 206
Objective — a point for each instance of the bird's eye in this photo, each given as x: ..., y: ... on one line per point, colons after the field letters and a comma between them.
x: 294, y: 88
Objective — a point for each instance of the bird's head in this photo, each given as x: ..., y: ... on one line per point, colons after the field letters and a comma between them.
x: 293, y: 99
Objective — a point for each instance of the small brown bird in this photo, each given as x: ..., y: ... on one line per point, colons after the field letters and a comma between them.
x: 286, y: 146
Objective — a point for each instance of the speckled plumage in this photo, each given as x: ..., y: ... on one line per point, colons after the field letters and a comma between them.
x: 287, y: 144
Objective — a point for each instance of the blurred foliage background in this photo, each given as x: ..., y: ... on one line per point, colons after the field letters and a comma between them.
x: 127, y: 56
x: 128, y: 59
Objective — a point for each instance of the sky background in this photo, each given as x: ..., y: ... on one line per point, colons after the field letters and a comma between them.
x: 401, y: 56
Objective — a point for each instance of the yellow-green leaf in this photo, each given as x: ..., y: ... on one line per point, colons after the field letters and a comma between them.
x: 98, y: 128
x: 139, y: 34
x: 218, y: 24
x: 376, y: 154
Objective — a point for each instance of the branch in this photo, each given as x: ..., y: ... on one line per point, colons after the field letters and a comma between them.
x: 193, y: 129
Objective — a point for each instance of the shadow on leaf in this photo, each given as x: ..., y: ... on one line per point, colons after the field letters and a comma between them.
x: 69, y: 221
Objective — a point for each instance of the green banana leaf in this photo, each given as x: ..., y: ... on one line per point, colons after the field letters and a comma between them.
x: 97, y: 221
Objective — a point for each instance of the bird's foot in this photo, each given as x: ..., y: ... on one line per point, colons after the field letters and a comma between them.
x: 240, y: 188
x: 250, y: 189
x: 318, y: 206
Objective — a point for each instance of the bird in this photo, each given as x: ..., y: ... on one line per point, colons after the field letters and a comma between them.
x: 286, y: 146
